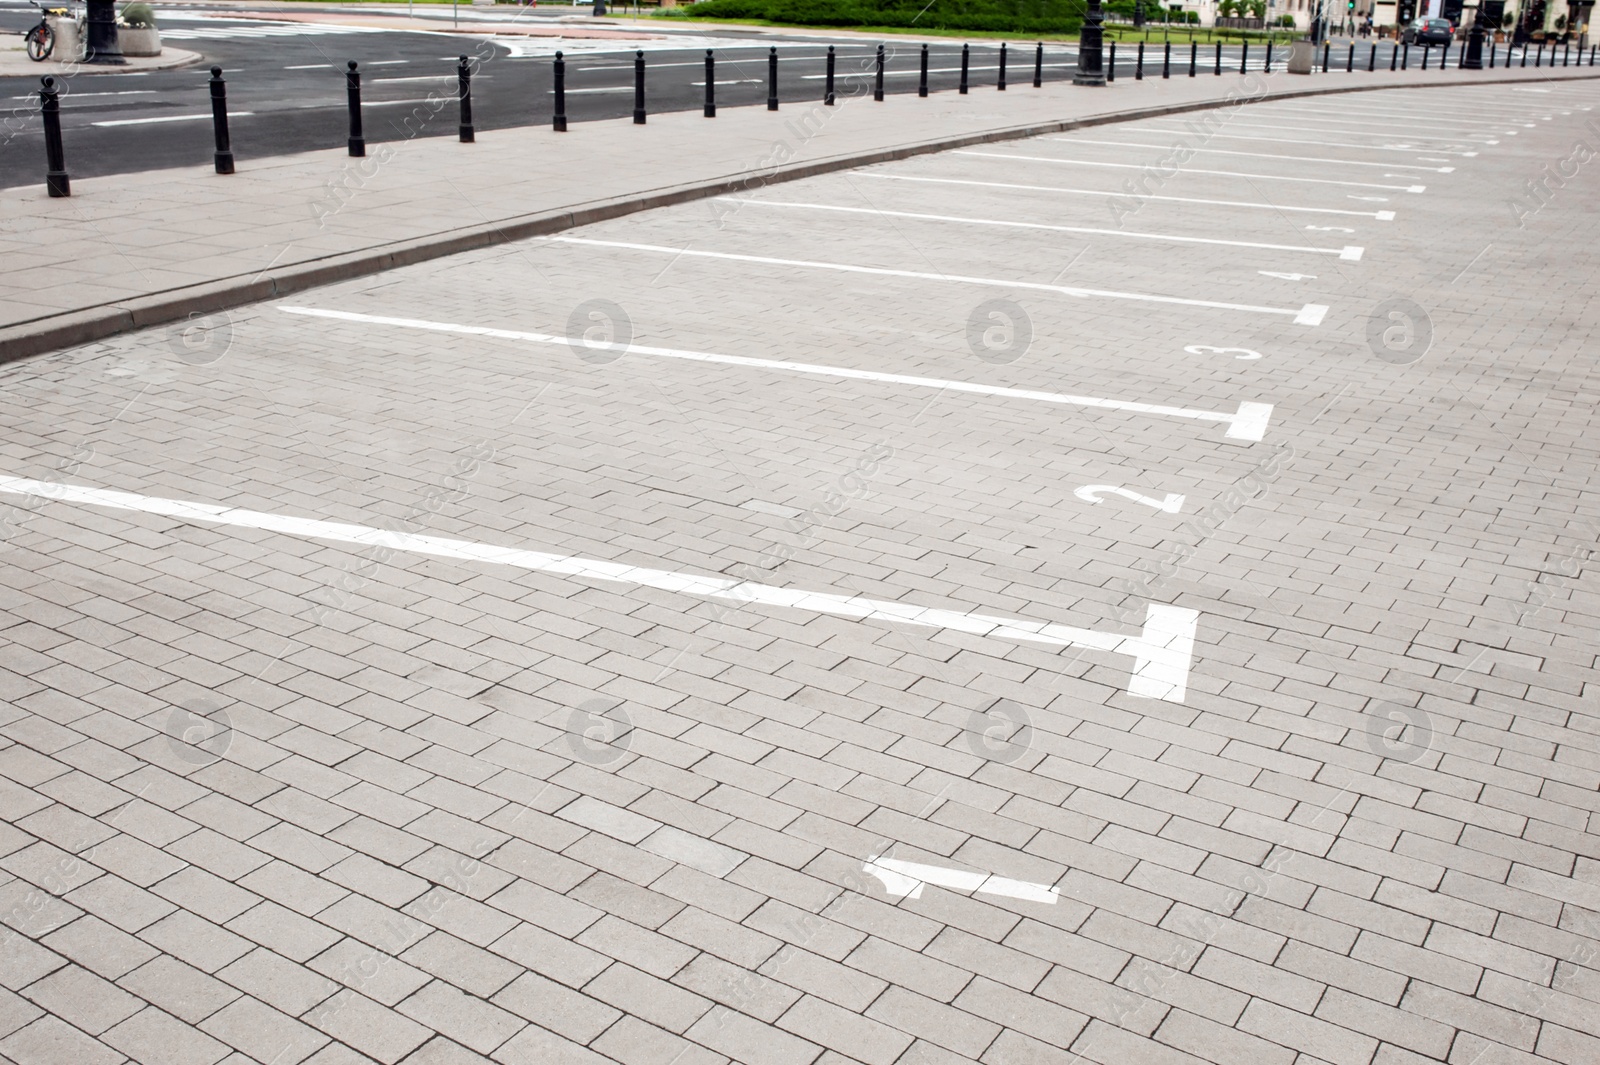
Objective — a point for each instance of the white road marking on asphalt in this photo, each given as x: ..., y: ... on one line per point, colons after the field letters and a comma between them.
x: 1310, y: 314
x: 614, y: 88
x: 314, y: 66
x: 1249, y: 422
x: 1191, y: 170
x: 1092, y: 493
x: 1317, y: 144
x: 732, y: 81
x: 164, y: 118
x: 906, y: 880
x: 1161, y: 652
x: 1259, y: 155
x: 82, y: 95
x: 1351, y: 253
x: 1096, y: 192
x: 1410, y: 135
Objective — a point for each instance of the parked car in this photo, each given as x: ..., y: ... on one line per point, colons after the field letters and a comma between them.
x: 1428, y: 31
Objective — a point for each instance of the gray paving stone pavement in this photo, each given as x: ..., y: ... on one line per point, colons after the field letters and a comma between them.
x: 487, y: 768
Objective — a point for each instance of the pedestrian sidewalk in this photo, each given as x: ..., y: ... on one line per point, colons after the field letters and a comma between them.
x: 14, y: 63
x: 137, y: 250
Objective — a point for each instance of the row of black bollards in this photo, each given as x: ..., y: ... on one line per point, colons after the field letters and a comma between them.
x: 58, y: 183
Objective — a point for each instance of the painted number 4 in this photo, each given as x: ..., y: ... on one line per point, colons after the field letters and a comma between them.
x: 1092, y: 493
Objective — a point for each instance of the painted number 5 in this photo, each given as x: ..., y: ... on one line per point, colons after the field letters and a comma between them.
x: 1092, y: 492
x: 1243, y: 354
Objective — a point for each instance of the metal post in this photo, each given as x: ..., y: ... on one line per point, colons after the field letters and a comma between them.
x: 1524, y: 63
x: 827, y: 87
x: 464, y: 93
x: 1091, y: 55
x: 965, y: 55
x: 1001, y: 82
x: 1566, y: 52
x: 1111, y: 64
x: 1591, y: 54
x: 558, y: 121
x: 1372, y: 59
x: 1444, y: 56
x: 1267, y: 66
x: 877, y: 82
x: 1138, y: 64
x: 1493, y: 54
x: 1194, y: 54
x: 1427, y: 50
x: 1244, y: 55
x: 1038, y: 64
x: 223, y: 157
x: 1166, y: 60
x: 922, y: 74
x: 638, y: 87
x: 1350, y: 59
x: 55, y: 157
x: 1326, y: 48
x: 352, y: 92
x: 711, y: 85
x: 1405, y: 56
x: 772, y: 79
x: 1539, y: 60
x: 1218, y: 70
x: 1472, y: 54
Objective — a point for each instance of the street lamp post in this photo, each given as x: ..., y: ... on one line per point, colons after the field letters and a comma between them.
x: 1091, y: 61
x: 100, y: 22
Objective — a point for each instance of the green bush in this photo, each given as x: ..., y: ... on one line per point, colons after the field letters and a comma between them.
x: 138, y: 15
x: 1020, y: 16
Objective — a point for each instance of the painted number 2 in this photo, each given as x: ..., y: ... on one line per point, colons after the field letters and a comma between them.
x: 1242, y: 354
x: 1092, y: 492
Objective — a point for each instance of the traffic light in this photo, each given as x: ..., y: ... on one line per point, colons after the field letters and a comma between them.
x: 1349, y: 5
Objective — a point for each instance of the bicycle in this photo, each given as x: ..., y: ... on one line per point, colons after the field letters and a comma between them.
x: 41, y: 39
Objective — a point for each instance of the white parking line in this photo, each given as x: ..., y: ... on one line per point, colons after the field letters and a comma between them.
x: 1382, y: 216
x: 906, y: 880
x: 1477, y: 137
x: 1348, y: 252
x: 1314, y: 144
x: 1249, y: 422
x: 1189, y: 170
x: 164, y: 118
x: 1161, y: 652
x: 1257, y: 155
x: 1310, y: 314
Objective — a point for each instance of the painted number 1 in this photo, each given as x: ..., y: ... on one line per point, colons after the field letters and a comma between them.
x: 1092, y: 493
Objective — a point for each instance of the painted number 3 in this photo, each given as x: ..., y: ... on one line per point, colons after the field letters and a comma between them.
x: 1242, y: 354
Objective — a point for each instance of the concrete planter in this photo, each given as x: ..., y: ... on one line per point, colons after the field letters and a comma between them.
x: 139, y: 41
x: 1302, y: 55
x: 68, y: 47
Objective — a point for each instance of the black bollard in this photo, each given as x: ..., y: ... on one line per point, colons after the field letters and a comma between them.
x: 56, y: 181
x: 711, y: 85
x: 1591, y: 54
x: 877, y: 81
x: 1326, y: 48
x: 638, y: 87
x: 1394, y: 57
x: 1524, y: 55
x: 1444, y: 56
x: 223, y: 157
x: 1138, y: 64
x: 1194, y: 54
x: 1267, y: 66
x: 965, y: 55
x: 1539, y: 59
x: 772, y: 79
x: 1038, y: 65
x: 1111, y: 64
x: 1566, y: 53
x: 922, y: 74
x: 1405, y: 56
x: 1166, y: 61
x: 827, y: 85
x: 1372, y: 59
x: 352, y: 92
x: 1350, y: 59
x: 1493, y: 53
x: 1427, y: 49
x: 1218, y: 70
x: 464, y: 92
x: 1244, y: 55
x: 1001, y: 82
x: 558, y: 121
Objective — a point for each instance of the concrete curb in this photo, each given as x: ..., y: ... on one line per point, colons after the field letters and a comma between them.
x: 55, y: 332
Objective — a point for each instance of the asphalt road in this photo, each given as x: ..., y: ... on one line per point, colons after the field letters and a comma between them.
x: 286, y: 87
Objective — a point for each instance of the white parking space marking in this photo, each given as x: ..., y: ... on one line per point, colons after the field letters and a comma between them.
x: 1310, y: 314
x: 1162, y: 651
x: 1382, y: 216
x: 1255, y: 155
x: 1410, y: 135
x: 907, y: 879
x: 85, y: 95
x: 1094, y: 493
x: 1190, y: 170
x: 1248, y: 423
x: 1314, y: 144
x: 1349, y: 252
x: 164, y: 118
